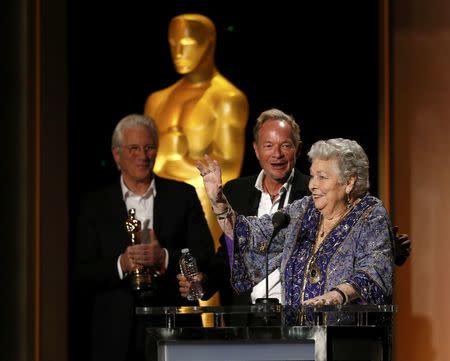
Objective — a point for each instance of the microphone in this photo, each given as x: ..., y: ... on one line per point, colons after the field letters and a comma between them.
x: 279, y: 220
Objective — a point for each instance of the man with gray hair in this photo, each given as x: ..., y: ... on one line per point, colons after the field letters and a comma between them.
x: 171, y: 218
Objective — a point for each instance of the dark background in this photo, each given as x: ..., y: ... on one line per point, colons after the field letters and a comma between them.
x: 318, y: 62
x: 315, y: 60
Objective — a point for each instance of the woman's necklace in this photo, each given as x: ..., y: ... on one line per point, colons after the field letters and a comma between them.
x: 314, y: 272
x: 322, y: 222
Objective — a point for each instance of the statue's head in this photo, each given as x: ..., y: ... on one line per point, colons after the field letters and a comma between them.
x: 192, y: 40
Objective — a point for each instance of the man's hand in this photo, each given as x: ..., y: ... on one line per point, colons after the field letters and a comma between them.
x: 402, y: 247
x: 143, y: 255
x: 127, y: 261
x: 184, y: 284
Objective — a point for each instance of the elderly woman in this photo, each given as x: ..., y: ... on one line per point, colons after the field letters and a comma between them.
x: 338, y: 245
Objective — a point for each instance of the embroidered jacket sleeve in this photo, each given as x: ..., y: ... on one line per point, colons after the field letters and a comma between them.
x: 251, y: 238
x: 372, y: 277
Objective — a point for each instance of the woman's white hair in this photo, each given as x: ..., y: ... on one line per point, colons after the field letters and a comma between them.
x: 351, y: 161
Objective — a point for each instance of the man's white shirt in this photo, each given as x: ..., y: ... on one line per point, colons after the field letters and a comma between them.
x: 267, y: 207
x: 144, y: 213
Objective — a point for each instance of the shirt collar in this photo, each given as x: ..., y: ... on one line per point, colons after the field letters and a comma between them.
x: 151, y: 191
x: 285, y: 187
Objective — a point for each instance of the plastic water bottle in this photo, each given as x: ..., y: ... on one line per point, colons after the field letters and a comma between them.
x: 188, y: 266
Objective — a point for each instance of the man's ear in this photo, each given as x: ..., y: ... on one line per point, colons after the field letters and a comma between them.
x: 255, y: 148
x: 116, y: 155
x: 299, y: 149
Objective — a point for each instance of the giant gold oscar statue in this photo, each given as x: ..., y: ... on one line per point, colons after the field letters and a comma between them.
x: 202, y: 113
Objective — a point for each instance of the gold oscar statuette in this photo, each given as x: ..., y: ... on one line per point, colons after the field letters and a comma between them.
x: 140, y: 278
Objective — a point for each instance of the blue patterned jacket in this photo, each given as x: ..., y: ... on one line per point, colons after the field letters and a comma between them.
x: 358, y: 250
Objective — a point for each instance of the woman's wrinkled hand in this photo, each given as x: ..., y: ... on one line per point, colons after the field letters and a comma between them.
x: 212, y: 179
x: 328, y: 298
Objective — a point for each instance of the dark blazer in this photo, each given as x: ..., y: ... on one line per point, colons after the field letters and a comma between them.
x: 179, y: 222
x: 244, y: 198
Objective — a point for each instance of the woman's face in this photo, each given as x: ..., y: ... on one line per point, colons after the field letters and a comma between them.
x: 328, y: 192
x: 188, y: 43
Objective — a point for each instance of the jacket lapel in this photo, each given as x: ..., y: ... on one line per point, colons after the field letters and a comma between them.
x: 299, y: 186
x: 158, y: 205
x: 253, y: 203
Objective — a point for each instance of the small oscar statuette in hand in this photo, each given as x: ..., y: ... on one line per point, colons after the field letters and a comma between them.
x: 140, y: 277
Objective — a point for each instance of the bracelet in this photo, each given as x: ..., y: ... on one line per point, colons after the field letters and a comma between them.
x: 224, y: 214
x: 342, y: 294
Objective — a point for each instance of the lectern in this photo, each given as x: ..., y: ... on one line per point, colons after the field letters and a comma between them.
x: 273, y: 333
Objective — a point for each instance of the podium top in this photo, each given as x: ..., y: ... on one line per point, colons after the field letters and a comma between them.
x: 178, y: 310
x: 329, y: 315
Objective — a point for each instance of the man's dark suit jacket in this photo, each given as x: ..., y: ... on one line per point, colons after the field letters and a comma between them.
x: 179, y: 222
x: 244, y: 198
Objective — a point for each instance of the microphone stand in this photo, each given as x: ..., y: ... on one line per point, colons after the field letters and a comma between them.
x: 268, y: 305
x: 266, y: 300
x: 279, y: 221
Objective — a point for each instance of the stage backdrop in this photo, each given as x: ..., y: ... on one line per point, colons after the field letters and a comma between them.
x: 316, y: 62
x: 421, y: 176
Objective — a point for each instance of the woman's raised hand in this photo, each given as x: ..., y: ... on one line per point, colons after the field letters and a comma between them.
x: 212, y: 179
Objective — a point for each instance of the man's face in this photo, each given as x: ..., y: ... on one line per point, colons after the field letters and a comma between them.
x: 188, y: 45
x: 276, y: 150
x: 136, y: 155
